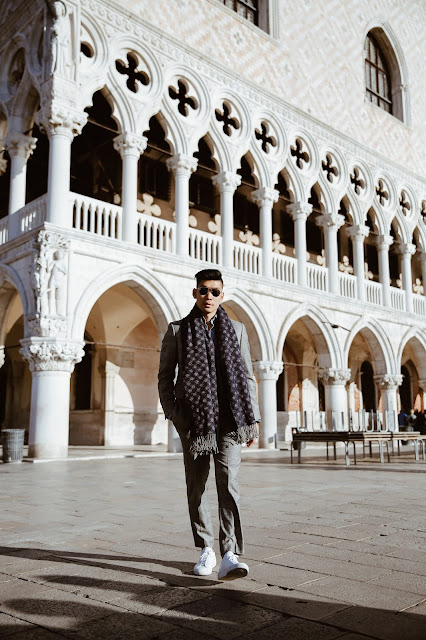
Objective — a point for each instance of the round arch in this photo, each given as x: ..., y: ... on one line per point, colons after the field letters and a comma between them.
x: 9, y: 275
x: 162, y: 306
x: 378, y: 341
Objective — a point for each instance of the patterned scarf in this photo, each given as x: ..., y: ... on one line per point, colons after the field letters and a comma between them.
x: 200, y: 381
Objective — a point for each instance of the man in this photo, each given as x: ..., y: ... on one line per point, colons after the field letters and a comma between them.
x: 212, y: 403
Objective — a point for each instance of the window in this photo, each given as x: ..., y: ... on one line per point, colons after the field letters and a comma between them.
x: 378, y: 79
x: 247, y: 9
x: 154, y: 178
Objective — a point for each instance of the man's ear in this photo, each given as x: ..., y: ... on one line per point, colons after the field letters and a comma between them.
x: 194, y: 293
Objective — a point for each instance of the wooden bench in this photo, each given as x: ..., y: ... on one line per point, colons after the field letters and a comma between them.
x: 327, y: 437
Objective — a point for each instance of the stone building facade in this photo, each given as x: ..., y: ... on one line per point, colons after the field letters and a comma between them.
x: 142, y: 141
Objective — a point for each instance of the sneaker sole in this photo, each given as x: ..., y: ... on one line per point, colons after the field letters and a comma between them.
x: 207, y: 572
x: 234, y: 574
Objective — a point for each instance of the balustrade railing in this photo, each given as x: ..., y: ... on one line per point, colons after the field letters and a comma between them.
x: 317, y: 277
x: 284, y: 268
x: 397, y: 299
x: 247, y: 258
x: 154, y: 233
x: 419, y: 304
x: 347, y: 285
x: 101, y: 218
x: 32, y: 215
x: 205, y: 246
x: 3, y: 231
x: 373, y: 292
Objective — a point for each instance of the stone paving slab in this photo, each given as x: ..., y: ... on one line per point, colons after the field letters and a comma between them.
x: 102, y: 548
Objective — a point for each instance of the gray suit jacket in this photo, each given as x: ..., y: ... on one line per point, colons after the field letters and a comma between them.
x: 170, y: 386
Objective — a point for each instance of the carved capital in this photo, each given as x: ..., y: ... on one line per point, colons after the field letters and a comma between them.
x: 130, y: 144
x: 227, y: 181
x: 406, y: 248
x: 422, y: 384
x: 389, y: 380
x: 299, y: 210
x: 182, y: 165
x: 358, y: 232
x: 51, y: 355
x: 55, y: 119
x: 335, y: 376
x: 265, y: 196
x: 268, y: 370
x: 384, y: 241
x: 18, y: 144
x: 330, y: 221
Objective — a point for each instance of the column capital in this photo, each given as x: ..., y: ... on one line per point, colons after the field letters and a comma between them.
x: 264, y: 195
x: 406, y: 248
x: 389, y: 380
x: 268, y: 369
x: 182, y: 164
x: 19, y: 144
x: 422, y: 384
x: 330, y: 221
x: 130, y: 144
x: 227, y: 181
x: 299, y: 210
x: 384, y: 241
x: 56, y: 119
x: 2, y: 356
x: 51, y: 355
x: 335, y: 376
x: 358, y: 231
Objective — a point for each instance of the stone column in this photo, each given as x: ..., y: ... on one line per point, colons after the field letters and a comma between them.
x: 51, y: 364
x: 336, y: 397
x: 331, y: 224
x: 265, y: 198
x: 407, y: 250
x: 358, y: 233
x: 2, y: 356
x: 19, y: 147
x: 383, y: 243
x: 111, y: 371
x: 422, y: 385
x: 227, y: 182
x: 388, y: 385
x: 267, y: 374
x: 61, y: 127
x: 300, y: 212
x: 129, y: 146
x: 182, y: 167
x: 422, y: 258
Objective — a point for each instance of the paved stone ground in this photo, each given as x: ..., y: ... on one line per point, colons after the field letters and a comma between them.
x: 102, y: 549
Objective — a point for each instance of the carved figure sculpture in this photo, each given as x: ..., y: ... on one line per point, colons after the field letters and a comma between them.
x: 57, y: 284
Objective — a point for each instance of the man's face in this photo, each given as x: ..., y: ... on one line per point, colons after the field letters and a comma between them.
x: 208, y: 303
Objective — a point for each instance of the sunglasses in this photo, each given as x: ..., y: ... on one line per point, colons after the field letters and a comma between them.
x: 204, y: 291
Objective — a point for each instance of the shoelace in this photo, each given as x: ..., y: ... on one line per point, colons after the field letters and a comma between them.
x: 203, y: 558
x: 233, y: 558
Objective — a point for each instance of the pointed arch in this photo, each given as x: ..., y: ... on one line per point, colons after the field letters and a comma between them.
x: 378, y: 340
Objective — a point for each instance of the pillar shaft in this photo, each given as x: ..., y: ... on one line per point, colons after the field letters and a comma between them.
x: 19, y: 147
x: 358, y: 233
x: 267, y: 375
x: 336, y: 397
x: 300, y: 212
x: 265, y: 198
x: 383, y: 244
x: 227, y: 183
x: 130, y: 147
x: 182, y: 167
x: 331, y: 224
x: 407, y: 250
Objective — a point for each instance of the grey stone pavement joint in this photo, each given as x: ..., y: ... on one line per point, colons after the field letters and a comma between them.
x: 99, y: 546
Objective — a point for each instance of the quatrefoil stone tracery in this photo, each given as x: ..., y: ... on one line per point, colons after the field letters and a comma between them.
x: 357, y: 181
x: 298, y: 153
x: 134, y: 76
x: 229, y: 122
x: 330, y: 168
x: 181, y: 94
x: 404, y: 203
x: 262, y: 135
x: 381, y: 192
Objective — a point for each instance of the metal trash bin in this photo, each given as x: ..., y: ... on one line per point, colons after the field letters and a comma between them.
x: 13, y: 444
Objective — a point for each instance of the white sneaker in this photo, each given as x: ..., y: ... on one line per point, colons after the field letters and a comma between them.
x: 230, y: 567
x: 206, y: 563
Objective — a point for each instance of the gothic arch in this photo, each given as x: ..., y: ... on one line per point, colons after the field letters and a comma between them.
x: 325, y: 339
x: 417, y: 336
x: 142, y: 281
x: 10, y: 277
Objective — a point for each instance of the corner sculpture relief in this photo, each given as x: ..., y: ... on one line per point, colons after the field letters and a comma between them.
x: 60, y: 39
x: 49, y: 283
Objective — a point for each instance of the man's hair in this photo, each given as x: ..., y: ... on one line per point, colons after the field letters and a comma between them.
x: 208, y: 274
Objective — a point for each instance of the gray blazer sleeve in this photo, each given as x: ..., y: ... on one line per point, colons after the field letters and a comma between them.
x: 167, y: 371
x: 251, y: 381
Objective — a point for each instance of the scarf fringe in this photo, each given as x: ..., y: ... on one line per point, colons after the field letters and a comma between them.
x: 204, y: 445
x: 244, y: 434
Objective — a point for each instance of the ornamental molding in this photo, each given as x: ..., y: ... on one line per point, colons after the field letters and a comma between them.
x: 49, y: 355
x: 389, y: 380
x: 335, y: 376
x: 268, y: 369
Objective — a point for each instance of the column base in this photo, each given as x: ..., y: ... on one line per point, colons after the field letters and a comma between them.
x: 47, y: 451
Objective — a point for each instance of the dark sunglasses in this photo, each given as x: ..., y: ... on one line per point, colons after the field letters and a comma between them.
x: 204, y: 291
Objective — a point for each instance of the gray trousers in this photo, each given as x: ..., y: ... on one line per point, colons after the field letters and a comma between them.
x: 227, y: 464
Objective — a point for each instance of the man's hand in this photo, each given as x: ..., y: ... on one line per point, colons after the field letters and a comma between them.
x: 252, y: 441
